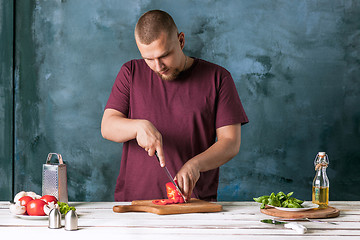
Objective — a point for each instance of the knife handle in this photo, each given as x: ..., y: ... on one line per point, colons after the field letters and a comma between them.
x: 157, y: 157
x: 297, y: 227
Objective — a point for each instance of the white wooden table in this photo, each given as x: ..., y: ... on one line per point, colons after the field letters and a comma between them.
x: 238, y: 220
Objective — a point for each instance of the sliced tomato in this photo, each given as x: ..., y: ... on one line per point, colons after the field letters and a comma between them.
x: 162, y: 201
x: 173, y: 193
x: 25, y: 200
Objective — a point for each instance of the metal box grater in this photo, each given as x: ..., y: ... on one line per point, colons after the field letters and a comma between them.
x: 54, y: 179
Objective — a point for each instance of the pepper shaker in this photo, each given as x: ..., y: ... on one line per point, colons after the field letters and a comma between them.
x: 71, y: 221
x: 54, y: 219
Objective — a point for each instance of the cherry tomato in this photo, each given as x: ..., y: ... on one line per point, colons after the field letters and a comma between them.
x: 49, y: 198
x: 36, y: 207
x: 25, y: 200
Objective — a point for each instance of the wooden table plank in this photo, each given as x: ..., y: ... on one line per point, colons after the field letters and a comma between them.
x: 239, y: 220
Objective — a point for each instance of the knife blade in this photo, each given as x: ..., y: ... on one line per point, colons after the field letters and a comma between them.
x: 272, y: 221
x: 171, y: 178
x: 295, y: 226
x: 305, y: 219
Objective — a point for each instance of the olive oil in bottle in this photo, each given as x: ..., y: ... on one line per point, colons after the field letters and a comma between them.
x: 320, y: 186
x: 320, y: 196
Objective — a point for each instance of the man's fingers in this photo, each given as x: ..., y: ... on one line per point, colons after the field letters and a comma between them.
x: 151, y: 152
x: 161, y: 157
x: 180, y: 183
x: 184, y: 185
x: 150, y: 139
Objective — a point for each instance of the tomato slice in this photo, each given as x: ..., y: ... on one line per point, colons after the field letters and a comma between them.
x: 162, y: 201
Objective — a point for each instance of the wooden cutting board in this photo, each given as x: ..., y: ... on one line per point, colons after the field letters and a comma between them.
x: 193, y: 206
x: 328, y: 212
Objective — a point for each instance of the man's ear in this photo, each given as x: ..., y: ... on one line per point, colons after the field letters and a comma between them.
x: 181, y: 38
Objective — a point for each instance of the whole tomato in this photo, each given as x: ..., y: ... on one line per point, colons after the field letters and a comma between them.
x: 36, y: 207
x: 25, y: 200
x: 49, y: 198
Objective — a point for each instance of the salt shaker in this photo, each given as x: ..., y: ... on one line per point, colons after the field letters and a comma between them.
x: 54, y: 219
x: 71, y: 221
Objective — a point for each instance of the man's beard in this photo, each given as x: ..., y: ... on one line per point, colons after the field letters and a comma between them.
x: 170, y: 77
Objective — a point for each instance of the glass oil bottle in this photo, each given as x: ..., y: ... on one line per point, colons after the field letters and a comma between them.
x: 320, y: 186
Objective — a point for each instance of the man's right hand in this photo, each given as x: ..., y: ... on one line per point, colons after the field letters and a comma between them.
x: 115, y: 126
x: 150, y: 139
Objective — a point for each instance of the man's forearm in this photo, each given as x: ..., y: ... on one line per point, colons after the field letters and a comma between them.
x: 116, y: 127
x: 218, y: 154
x: 222, y: 151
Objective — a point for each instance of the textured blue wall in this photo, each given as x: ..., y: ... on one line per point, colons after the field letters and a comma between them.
x: 296, y: 65
x: 6, y: 99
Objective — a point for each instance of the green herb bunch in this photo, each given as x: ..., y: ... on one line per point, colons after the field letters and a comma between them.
x: 279, y: 200
x: 64, y: 208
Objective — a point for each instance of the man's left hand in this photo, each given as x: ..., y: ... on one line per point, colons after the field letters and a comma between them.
x: 187, y: 177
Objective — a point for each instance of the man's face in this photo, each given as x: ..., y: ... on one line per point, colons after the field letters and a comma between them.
x: 164, y: 55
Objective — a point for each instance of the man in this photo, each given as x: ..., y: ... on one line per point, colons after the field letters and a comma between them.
x: 174, y: 105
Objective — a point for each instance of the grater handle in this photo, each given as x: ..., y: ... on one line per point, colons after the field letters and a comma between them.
x: 57, y: 154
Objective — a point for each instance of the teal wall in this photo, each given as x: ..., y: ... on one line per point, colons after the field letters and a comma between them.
x: 6, y: 99
x: 296, y: 65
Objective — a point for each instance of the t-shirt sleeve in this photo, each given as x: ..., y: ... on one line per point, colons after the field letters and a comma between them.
x: 120, y: 93
x: 229, y: 107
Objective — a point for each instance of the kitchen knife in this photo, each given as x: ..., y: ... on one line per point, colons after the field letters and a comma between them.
x: 171, y: 178
x: 295, y: 226
x: 305, y: 219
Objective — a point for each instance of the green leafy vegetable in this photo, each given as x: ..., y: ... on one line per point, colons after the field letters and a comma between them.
x: 279, y: 200
x: 64, y: 208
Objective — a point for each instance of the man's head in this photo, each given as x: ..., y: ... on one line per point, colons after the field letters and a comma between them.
x: 160, y: 44
x: 151, y: 24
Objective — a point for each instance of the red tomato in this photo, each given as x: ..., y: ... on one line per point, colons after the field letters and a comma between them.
x: 49, y: 198
x: 25, y: 200
x: 162, y: 201
x: 36, y: 207
x: 173, y: 194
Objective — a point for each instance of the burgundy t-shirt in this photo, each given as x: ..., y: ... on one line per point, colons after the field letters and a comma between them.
x: 186, y: 111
